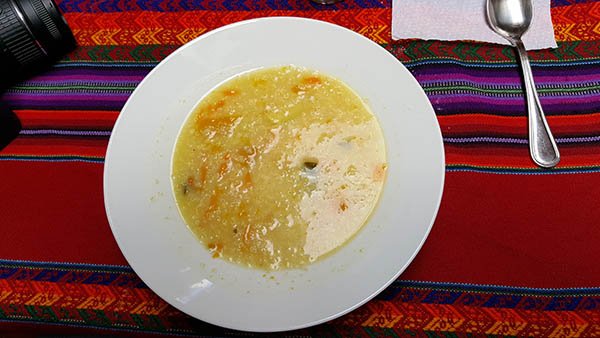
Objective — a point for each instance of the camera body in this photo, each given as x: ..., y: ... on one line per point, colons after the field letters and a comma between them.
x: 33, y: 34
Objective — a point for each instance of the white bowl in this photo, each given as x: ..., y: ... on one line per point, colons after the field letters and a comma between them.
x: 174, y: 264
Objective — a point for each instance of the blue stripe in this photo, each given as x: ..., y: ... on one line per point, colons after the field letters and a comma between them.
x: 5, y: 263
x: 533, y: 303
x: 563, y: 304
x: 594, y: 291
x: 7, y: 272
x: 112, y: 6
x: 233, y: 5
x: 442, y: 297
x: 503, y: 301
x: 557, y: 3
x: 50, y: 275
x: 113, y: 327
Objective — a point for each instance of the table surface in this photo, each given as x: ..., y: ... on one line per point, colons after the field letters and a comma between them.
x: 513, y: 250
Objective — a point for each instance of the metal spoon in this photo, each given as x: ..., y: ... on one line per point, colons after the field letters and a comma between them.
x: 511, y: 19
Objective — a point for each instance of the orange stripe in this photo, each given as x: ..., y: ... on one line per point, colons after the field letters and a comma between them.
x: 444, y: 318
x: 89, y: 297
x: 478, y: 320
x: 577, y: 22
x: 138, y: 28
x: 569, y: 324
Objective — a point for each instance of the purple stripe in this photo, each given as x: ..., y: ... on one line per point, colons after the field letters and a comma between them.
x: 58, y: 97
x: 71, y: 105
x: 578, y: 139
x: 65, y: 132
x: 513, y: 101
x: 430, y: 72
x: 517, y: 140
x: 429, y: 79
x: 85, y: 78
x: 484, y: 139
x: 116, y: 74
x: 99, y: 101
x: 559, y: 72
x: 479, y: 107
x: 424, y: 79
x: 138, y: 72
x: 443, y: 104
x: 442, y: 107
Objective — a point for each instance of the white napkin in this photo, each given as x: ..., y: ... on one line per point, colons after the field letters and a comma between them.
x: 464, y: 20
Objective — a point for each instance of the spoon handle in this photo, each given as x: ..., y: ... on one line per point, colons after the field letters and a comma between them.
x: 542, y: 146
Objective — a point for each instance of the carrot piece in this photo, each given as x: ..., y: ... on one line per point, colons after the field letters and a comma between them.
x: 218, y: 105
x: 216, y: 249
x: 248, y: 179
x: 312, y: 80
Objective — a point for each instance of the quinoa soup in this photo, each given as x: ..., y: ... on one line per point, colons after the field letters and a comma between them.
x: 278, y: 167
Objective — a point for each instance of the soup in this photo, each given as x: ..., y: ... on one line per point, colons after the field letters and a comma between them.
x: 278, y: 167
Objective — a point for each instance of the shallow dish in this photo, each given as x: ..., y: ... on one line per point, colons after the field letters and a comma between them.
x: 173, y: 263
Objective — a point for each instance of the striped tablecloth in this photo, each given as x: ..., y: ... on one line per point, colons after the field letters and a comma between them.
x: 514, y: 250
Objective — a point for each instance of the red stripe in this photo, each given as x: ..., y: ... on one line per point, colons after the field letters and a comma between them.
x: 519, y: 230
x: 82, y: 119
x: 70, y: 227
x: 516, y: 126
x: 495, y: 240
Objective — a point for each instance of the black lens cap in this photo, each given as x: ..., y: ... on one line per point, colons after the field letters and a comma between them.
x: 33, y: 34
x: 48, y: 26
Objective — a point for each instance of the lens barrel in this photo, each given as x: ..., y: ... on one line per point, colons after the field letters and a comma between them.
x: 33, y: 34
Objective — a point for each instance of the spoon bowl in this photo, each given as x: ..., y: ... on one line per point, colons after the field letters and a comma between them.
x: 510, y: 18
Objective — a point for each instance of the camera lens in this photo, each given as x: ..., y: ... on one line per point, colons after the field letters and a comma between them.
x: 33, y: 33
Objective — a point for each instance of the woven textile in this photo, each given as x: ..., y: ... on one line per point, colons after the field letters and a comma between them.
x: 513, y: 250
